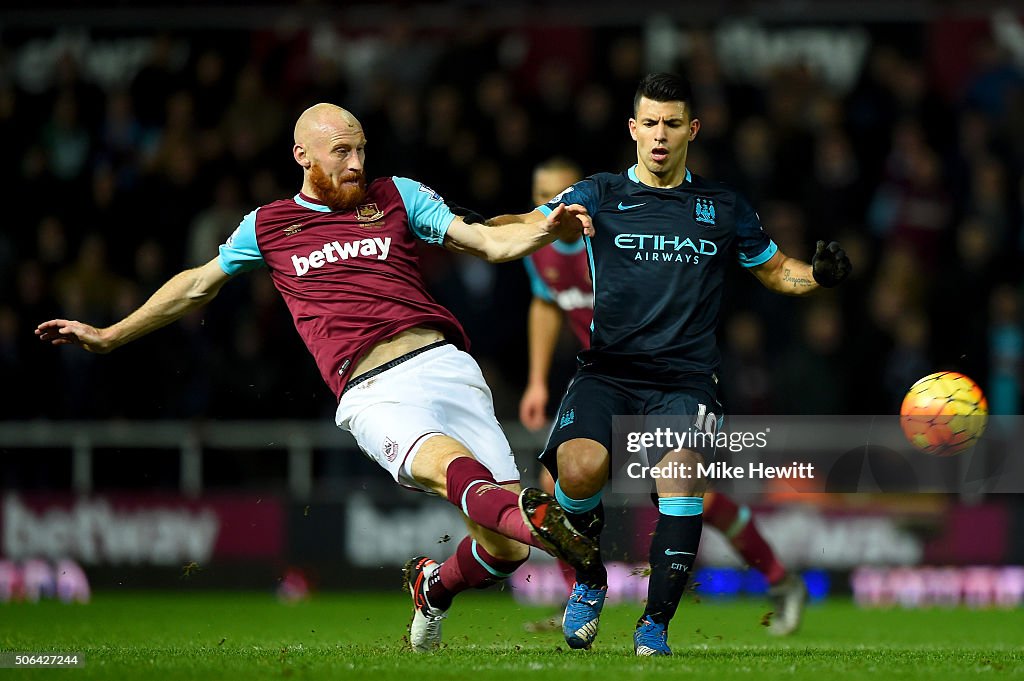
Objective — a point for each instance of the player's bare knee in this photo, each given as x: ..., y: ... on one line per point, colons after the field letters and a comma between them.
x: 685, y: 483
x: 429, y: 465
x: 582, y: 468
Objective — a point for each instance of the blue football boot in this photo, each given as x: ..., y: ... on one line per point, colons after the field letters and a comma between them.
x: 582, y: 615
x: 650, y: 638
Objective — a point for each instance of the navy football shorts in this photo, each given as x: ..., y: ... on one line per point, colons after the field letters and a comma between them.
x: 592, y: 400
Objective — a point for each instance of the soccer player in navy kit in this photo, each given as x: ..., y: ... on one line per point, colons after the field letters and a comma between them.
x: 662, y: 240
x: 342, y: 253
x: 560, y: 280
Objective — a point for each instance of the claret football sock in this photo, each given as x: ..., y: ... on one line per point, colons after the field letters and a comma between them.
x: 471, y: 567
x: 472, y: 488
x: 736, y: 523
x: 673, y: 552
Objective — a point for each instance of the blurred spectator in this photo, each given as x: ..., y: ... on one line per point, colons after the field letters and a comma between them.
x: 109, y: 212
x: 596, y: 126
x: 123, y: 140
x: 10, y: 355
x: 51, y: 246
x: 399, y: 149
x: 177, y: 135
x: 516, y: 156
x: 1006, y: 344
x: 1020, y: 215
x: 746, y: 378
x: 66, y: 140
x: 789, y: 98
x: 753, y: 160
x: 86, y: 287
x: 996, y: 78
x: 150, y: 270
x: 468, y: 54
x: 253, y: 113
x: 156, y: 81
x: 214, y: 223
x: 908, y: 359
x: 807, y: 377
x: 69, y: 81
x: 624, y: 67
x: 834, y: 196
x: 211, y: 88
x: 960, y: 296
x: 911, y: 207
x: 988, y: 199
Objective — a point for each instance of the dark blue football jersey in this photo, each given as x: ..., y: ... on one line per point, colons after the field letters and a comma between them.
x: 658, y: 261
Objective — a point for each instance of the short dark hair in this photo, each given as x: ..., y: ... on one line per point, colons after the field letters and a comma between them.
x: 664, y: 87
x: 560, y: 163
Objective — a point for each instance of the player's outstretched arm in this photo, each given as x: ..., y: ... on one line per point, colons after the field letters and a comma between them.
x: 544, y: 323
x: 181, y: 294
x: 517, y: 239
x: 783, y: 274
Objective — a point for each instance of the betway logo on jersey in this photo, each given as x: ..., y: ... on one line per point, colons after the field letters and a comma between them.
x: 661, y: 248
x: 336, y: 252
x: 574, y: 299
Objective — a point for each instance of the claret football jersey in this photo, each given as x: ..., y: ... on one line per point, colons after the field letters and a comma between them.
x: 349, y: 278
x: 560, y: 274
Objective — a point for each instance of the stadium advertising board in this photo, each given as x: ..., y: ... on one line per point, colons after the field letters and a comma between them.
x: 134, y: 529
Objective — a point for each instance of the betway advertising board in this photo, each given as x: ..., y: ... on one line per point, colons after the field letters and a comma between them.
x: 134, y: 529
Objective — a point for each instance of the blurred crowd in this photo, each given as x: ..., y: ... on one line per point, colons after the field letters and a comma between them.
x: 111, y: 187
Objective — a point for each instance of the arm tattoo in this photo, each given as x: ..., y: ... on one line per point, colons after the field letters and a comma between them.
x: 796, y: 281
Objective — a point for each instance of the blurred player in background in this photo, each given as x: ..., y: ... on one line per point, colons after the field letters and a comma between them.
x: 560, y: 280
x: 342, y: 254
x: 662, y: 240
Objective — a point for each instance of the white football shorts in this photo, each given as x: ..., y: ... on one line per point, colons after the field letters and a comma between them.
x: 438, y: 392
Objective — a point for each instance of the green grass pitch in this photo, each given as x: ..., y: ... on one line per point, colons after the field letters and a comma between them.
x: 350, y: 636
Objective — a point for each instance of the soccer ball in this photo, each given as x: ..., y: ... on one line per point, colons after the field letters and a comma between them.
x: 944, y: 413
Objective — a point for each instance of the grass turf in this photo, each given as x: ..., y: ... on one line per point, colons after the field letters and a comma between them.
x: 245, y: 636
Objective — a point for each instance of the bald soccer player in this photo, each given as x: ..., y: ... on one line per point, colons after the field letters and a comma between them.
x: 342, y: 254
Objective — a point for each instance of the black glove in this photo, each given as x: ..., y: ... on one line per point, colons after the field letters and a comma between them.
x: 468, y: 216
x: 830, y: 265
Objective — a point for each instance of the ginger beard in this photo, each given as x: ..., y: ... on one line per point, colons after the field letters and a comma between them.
x: 347, y: 194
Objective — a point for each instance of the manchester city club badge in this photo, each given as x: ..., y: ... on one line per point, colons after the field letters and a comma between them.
x: 704, y: 211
